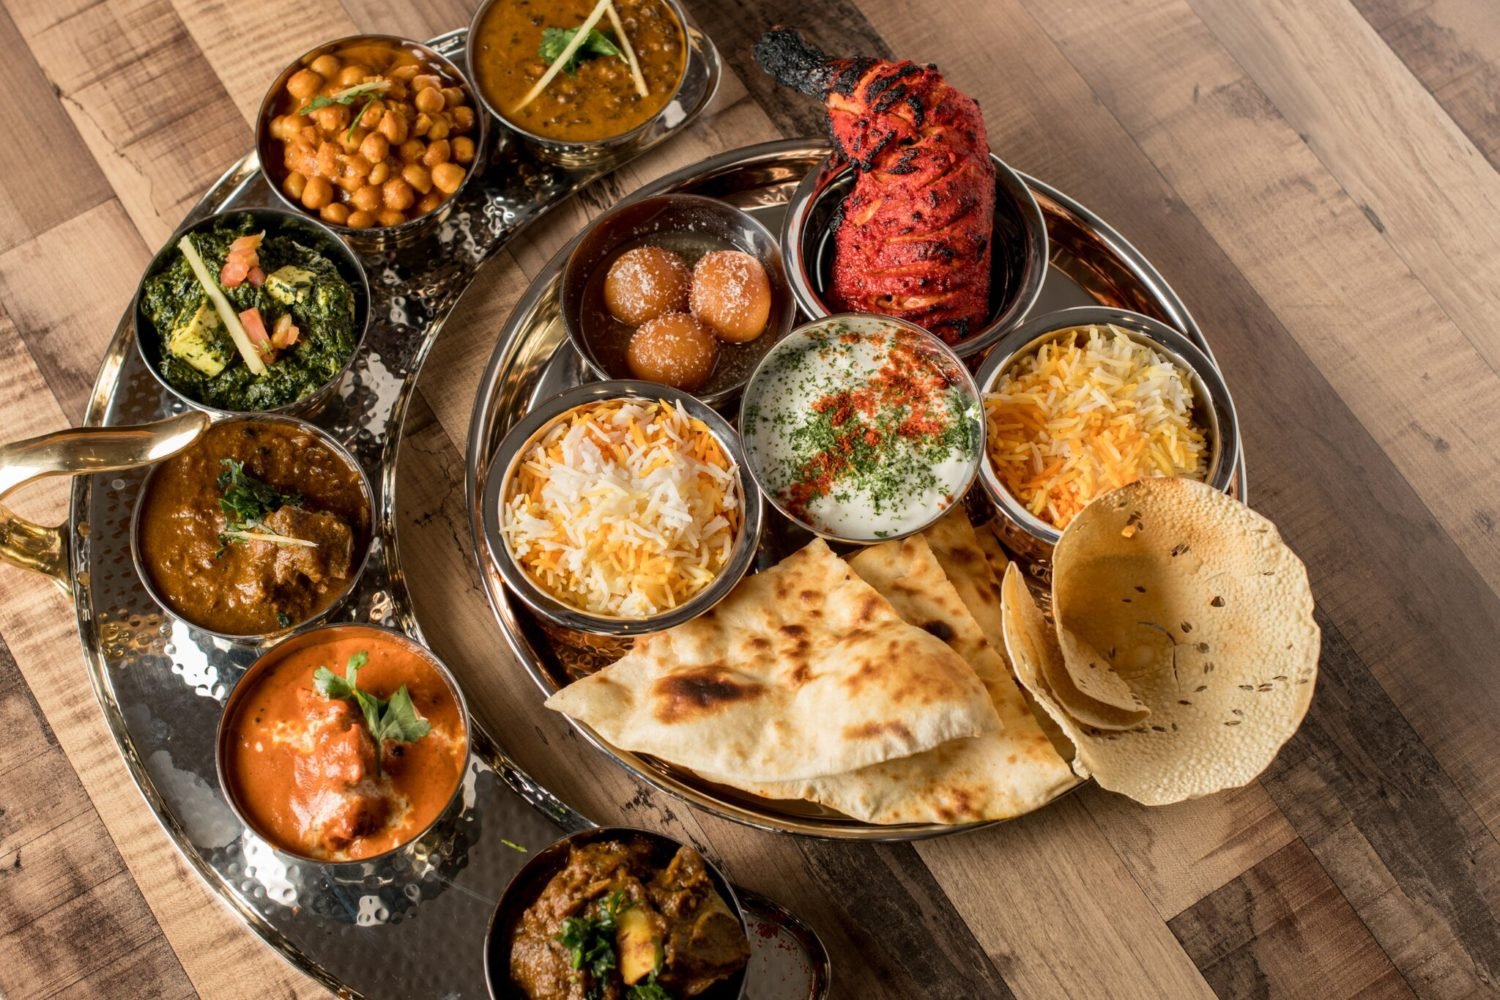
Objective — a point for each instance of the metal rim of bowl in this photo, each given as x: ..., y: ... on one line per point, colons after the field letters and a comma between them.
x: 269, y: 657
x: 1207, y: 381
x: 552, y: 859
x: 777, y: 326
x: 821, y: 179
x: 372, y: 236
x: 563, y: 146
x: 321, y: 617
x: 335, y: 246
x: 930, y: 339
x: 525, y: 431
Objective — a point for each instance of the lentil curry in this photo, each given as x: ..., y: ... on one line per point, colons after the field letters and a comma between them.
x: 257, y: 527
x: 597, y: 99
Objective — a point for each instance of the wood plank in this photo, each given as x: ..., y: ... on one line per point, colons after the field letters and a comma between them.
x: 1282, y: 927
x: 1453, y: 48
x: 47, y: 181
x: 412, y: 20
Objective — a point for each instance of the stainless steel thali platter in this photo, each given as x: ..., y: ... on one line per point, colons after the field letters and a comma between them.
x: 410, y: 923
x: 1090, y: 264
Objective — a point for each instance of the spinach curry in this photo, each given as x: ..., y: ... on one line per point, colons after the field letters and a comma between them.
x: 293, y: 287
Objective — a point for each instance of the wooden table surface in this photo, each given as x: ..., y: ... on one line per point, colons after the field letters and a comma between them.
x: 1318, y: 180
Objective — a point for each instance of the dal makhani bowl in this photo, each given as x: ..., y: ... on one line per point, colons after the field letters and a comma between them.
x: 343, y: 743
x: 621, y: 508
x: 262, y: 525
x: 1083, y: 401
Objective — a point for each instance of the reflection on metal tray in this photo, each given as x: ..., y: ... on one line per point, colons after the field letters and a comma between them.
x: 411, y: 924
x: 1090, y: 264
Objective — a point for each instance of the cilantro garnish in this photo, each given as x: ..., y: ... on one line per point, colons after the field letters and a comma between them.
x: 347, y: 96
x: 394, y: 718
x: 590, y: 941
x: 595, y: 43
x: 246, y: 501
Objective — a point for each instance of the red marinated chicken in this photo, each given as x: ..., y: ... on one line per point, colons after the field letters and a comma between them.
x: 914, y: 237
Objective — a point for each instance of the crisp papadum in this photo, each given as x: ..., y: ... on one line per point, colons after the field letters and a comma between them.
x: 804, y: 670
x: 1001, y: 774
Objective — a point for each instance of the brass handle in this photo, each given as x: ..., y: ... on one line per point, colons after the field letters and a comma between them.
x: 74, y: 452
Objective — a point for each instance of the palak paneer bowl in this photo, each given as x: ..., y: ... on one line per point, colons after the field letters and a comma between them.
x: 262, y: 525
x: 252, y: 311
x: 343, y: 744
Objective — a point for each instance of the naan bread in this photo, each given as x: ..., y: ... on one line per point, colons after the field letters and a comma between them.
x: 995, y: 776
x: 804, y: 670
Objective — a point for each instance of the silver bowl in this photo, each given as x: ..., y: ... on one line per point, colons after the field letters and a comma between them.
x: 542, y: 419
x: 375, y: 239
x: 144, y: 574
x: 309, y: 636
x: 527, y: 884
x: 577, y: 155
x: 1023, y: 531
x: 1018, y: 255
x: 754, y: 389
x: 628, y: 225
x: 149, y: 341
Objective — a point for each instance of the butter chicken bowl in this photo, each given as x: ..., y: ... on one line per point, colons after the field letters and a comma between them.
x: 612, y: 912
x: 252, y: 311
x: 343, y: 743
x: 262, y: 525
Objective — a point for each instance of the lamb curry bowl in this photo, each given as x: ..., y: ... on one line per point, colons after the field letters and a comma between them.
x: 343, y: 743
x: 260, y: 526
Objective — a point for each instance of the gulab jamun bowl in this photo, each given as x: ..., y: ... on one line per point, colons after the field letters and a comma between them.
x: 680, y: 290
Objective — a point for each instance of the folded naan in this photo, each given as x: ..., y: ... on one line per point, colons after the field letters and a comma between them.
x: 1000, y: 774
x: 804, y: 670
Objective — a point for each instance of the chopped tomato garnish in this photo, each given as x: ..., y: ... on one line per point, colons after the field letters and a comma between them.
x: 256, y: 277
x: 285, y: 333
x: 255, y: 329
x: 244, y: 257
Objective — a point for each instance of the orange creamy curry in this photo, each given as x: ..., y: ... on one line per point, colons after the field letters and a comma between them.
x: 302, y: 767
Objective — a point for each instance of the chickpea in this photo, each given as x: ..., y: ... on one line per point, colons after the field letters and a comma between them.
x: 352, y: 74
x: 303, y: 158
x: 304, y: 84
x: 463, y: 149
x: 333, y: 118
x: 439, y: 127
x: 375, y: 147
x: 335, y: 212
x: 437, y: 152
x: 365, y: 198
x: 360, y: 220
x: 370, y: 117
x: 453, y: 96
x: 390, y: 217
x: 293, y: 185
x: 429, y: 99
x: 380, y: 172
x: 413, y: 150
x: 349, y: 141
x: 429, y: 202
x: 286, y: 127
x: 424, y: 80
x: 328, y: 160
x: 397, y: 194
x: 393, y: 126
x: 417, y: 176
x: 317, y: 193
x: 423, y: 123
x: 326, y: 65
x: 463, y: 119
x: 396, y: 91
x: 446, y: 177
x: 405, y: 73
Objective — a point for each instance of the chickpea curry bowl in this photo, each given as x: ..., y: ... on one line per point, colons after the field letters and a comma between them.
x: 370, y: 132
x: 261, y: 525
x: 252, y: 311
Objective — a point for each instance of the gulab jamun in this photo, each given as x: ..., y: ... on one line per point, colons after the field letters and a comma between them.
x: 732, y: 294
x: 676, y: 350
x: 645, y: 283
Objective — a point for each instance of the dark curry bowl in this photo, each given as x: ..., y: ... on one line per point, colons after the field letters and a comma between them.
x: 1018, y: 257
x: 601, y: 339
x: 584, y: 154
x: 312, y: 635
x: 362, y: 537
x: 375, y: 239
x: 527, y: 884
x: 308, y: 232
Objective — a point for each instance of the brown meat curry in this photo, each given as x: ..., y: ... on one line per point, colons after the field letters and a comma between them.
x: 630, y: 914
x: 257, y: 527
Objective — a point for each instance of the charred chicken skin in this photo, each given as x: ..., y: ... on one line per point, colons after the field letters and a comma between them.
x: 913, y: 237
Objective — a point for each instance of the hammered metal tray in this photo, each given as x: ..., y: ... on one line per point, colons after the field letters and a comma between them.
x: 1090, y: 264
x: 412, y: 924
